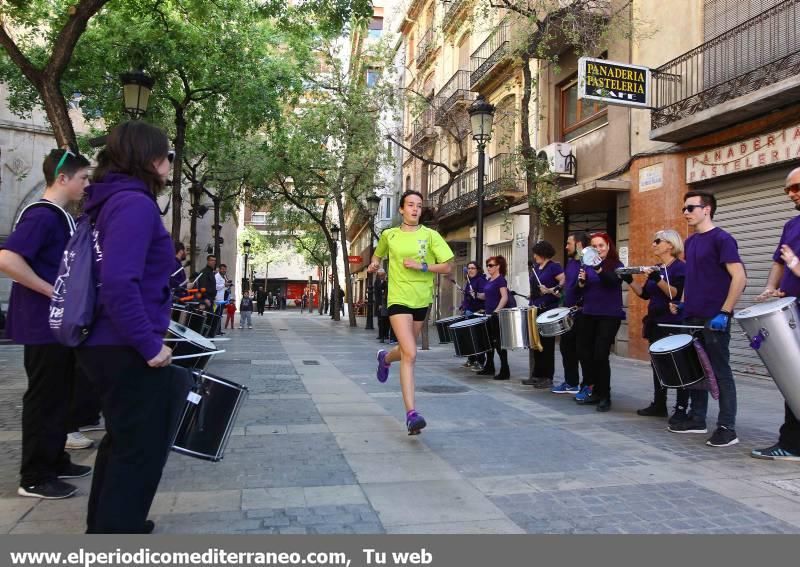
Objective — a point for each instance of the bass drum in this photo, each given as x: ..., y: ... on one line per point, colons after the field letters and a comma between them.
x: 471, y: 336
x: 772, y: 328
x: 189, y: 343
x: 208, y: 417
x: 675, y: 361
x: 442, y: 327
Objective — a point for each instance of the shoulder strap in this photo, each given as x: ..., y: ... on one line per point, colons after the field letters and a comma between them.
x: 70, y: 222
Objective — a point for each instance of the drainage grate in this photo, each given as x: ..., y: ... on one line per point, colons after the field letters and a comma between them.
x: 443, y: 389
x: 311, y: 362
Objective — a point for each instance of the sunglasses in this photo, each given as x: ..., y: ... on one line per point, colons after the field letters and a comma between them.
x: 491, y: 265
x: 691, y: 208
x: 657, y: 241
x: 171, y: 156
x: 795, y: 187
x: 62, y: 161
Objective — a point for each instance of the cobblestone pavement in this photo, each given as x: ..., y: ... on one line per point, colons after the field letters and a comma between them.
x: 320, y: 447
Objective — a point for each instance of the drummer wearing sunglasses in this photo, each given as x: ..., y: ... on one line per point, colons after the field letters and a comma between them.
x: 715, y: 279
x: 784, y: 280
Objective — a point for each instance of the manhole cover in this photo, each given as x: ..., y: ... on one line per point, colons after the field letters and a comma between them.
x: 311, y: 362
x: 444, y: 389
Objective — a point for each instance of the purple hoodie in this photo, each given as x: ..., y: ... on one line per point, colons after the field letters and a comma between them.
x: 137, y: 260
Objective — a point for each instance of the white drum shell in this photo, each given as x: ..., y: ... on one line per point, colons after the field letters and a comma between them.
x: 555, y: 322
x: 780, y: 347
x: 513, y: 328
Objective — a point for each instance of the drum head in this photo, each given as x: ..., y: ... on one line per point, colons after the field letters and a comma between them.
x: 452, y: 319
x: 469, y: 323
x: 193, y: 336
x: 671, y: 343
x: 590, y: 257
x: 761, y: 309
x: 553, y: 315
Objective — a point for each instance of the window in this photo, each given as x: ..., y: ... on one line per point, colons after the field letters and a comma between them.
x: 408, y: 183
x: 579, y: 116
x: 376, y: 27
x: 372, y: 77
x: 258, y: 218
x: 386, y: 208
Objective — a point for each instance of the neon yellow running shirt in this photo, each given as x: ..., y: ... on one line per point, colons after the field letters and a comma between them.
x: 409, y: 287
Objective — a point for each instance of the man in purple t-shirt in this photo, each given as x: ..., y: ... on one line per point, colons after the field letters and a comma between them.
x: 785, y: 282
x: 715, y: 279
x: 31, y: 257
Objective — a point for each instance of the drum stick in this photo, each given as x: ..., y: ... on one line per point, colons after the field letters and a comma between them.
x: 520, y: 295
x: 215, y: 339
x: 536, y: 276
x: 177, y: 340
x: 681, y: 326
x: 197, y: 355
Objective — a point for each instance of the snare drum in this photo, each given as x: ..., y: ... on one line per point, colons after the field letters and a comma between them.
x: 187, y: 342
x: 208, y: 417
x: 772, y: 328
x: 442, y: 327
x: 471, y: 336
x: 513, y: 328
x: 675, y: 361
x: 556, y: 321
x: 194, y: 320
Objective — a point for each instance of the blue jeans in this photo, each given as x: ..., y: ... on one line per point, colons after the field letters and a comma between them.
x: 717, y: 346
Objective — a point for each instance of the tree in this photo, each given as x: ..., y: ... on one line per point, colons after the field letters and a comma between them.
x: 39, y: 38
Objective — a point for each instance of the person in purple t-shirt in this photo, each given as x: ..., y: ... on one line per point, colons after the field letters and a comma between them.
x: 785, y: 282
x: 568, y: 342
x: 546, y: 280
x: 602, y: 318
x: 473, y: 285
x: 496, y: 296
x: 663, y: 285
x: 715, y: 279
x: 125, y: 354
x: 31, y: 257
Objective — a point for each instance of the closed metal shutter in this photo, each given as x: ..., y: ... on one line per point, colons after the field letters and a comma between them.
x: 503, y: 250
x: 754, y: 210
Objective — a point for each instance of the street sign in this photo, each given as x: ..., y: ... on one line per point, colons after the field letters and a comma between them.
x: 613, y: 82
x: 355, y: 259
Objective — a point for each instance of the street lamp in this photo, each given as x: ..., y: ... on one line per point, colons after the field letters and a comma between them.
x: 373, y: 202
x: 334, y: 292
x: 481, y: 114
x: 136, y: 87
x: 246, y: 247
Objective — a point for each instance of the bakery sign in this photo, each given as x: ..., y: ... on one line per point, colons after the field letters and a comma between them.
x: 613, y: 82
x: 753, y: 153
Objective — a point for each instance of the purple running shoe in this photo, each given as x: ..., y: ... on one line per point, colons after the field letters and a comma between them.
x: 415, y: 422
x: 383, y: 367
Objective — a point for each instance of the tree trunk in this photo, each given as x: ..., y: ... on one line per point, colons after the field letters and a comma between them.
x: 347, y: 281
x: 177, y: 167
x: 334, y: 300
x: 217, y: 227
x: 197, y: 195
x: 57, y: 114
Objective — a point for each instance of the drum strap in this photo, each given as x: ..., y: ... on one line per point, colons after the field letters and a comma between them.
x: 708, y: 370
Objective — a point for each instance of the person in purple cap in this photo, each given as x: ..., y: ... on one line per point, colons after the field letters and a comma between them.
x: 783, y: 280
x: 31, y: 257
x: 715, y: 279
x: 124, y: 354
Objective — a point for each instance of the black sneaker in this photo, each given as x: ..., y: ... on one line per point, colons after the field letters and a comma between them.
x: 688, y: 426
x: 50, y: 490
x: 678, y: 416
x: 653, y: 410
x: 775, y: 453
x: 723, y: 437
x: 75, y: 471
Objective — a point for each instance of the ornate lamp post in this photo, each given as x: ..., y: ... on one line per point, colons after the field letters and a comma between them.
x: 334, y: 292
x: 246, y: 247
x: 373, y: 202
x: 481, y: 114
x: 136, y: 87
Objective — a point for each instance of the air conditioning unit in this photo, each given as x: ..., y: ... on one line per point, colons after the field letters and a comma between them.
x: 560, y: 158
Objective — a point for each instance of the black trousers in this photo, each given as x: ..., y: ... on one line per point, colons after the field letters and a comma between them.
x: 596, y: 335
x: 45, y: 411
x: 141, y: 406
x: 383, y: 327
x: 544, y: 362
x: 790, y: 433
x: 85, y: 403
x: 260, y: 305
x: 568, y: 345
x: 494, y: 336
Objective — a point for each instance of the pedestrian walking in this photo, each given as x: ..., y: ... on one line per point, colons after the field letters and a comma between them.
x: 415, y: 254
x: 246, y: 311
x: 124, y: 353
x: 715, y: 279
x: 31, y: 257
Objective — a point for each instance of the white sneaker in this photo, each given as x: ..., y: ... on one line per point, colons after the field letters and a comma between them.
x: 77, y: 440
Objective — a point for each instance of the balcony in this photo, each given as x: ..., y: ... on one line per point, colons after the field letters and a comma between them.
x: 491, y: 57
x: 426, y: 47
x: 454, y: 93
x: 745, y: 72
x: 502, y: 179
x: 423, y: 129
x: 454, y: 16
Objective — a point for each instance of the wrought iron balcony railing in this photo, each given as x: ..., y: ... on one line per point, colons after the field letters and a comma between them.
x: 449, y: 20
x: 757, y: 53
x: 501, y: 178
x: 454, y: 91
x: 489, y: 54
x: 424, y: 127
x: 425, y: 47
